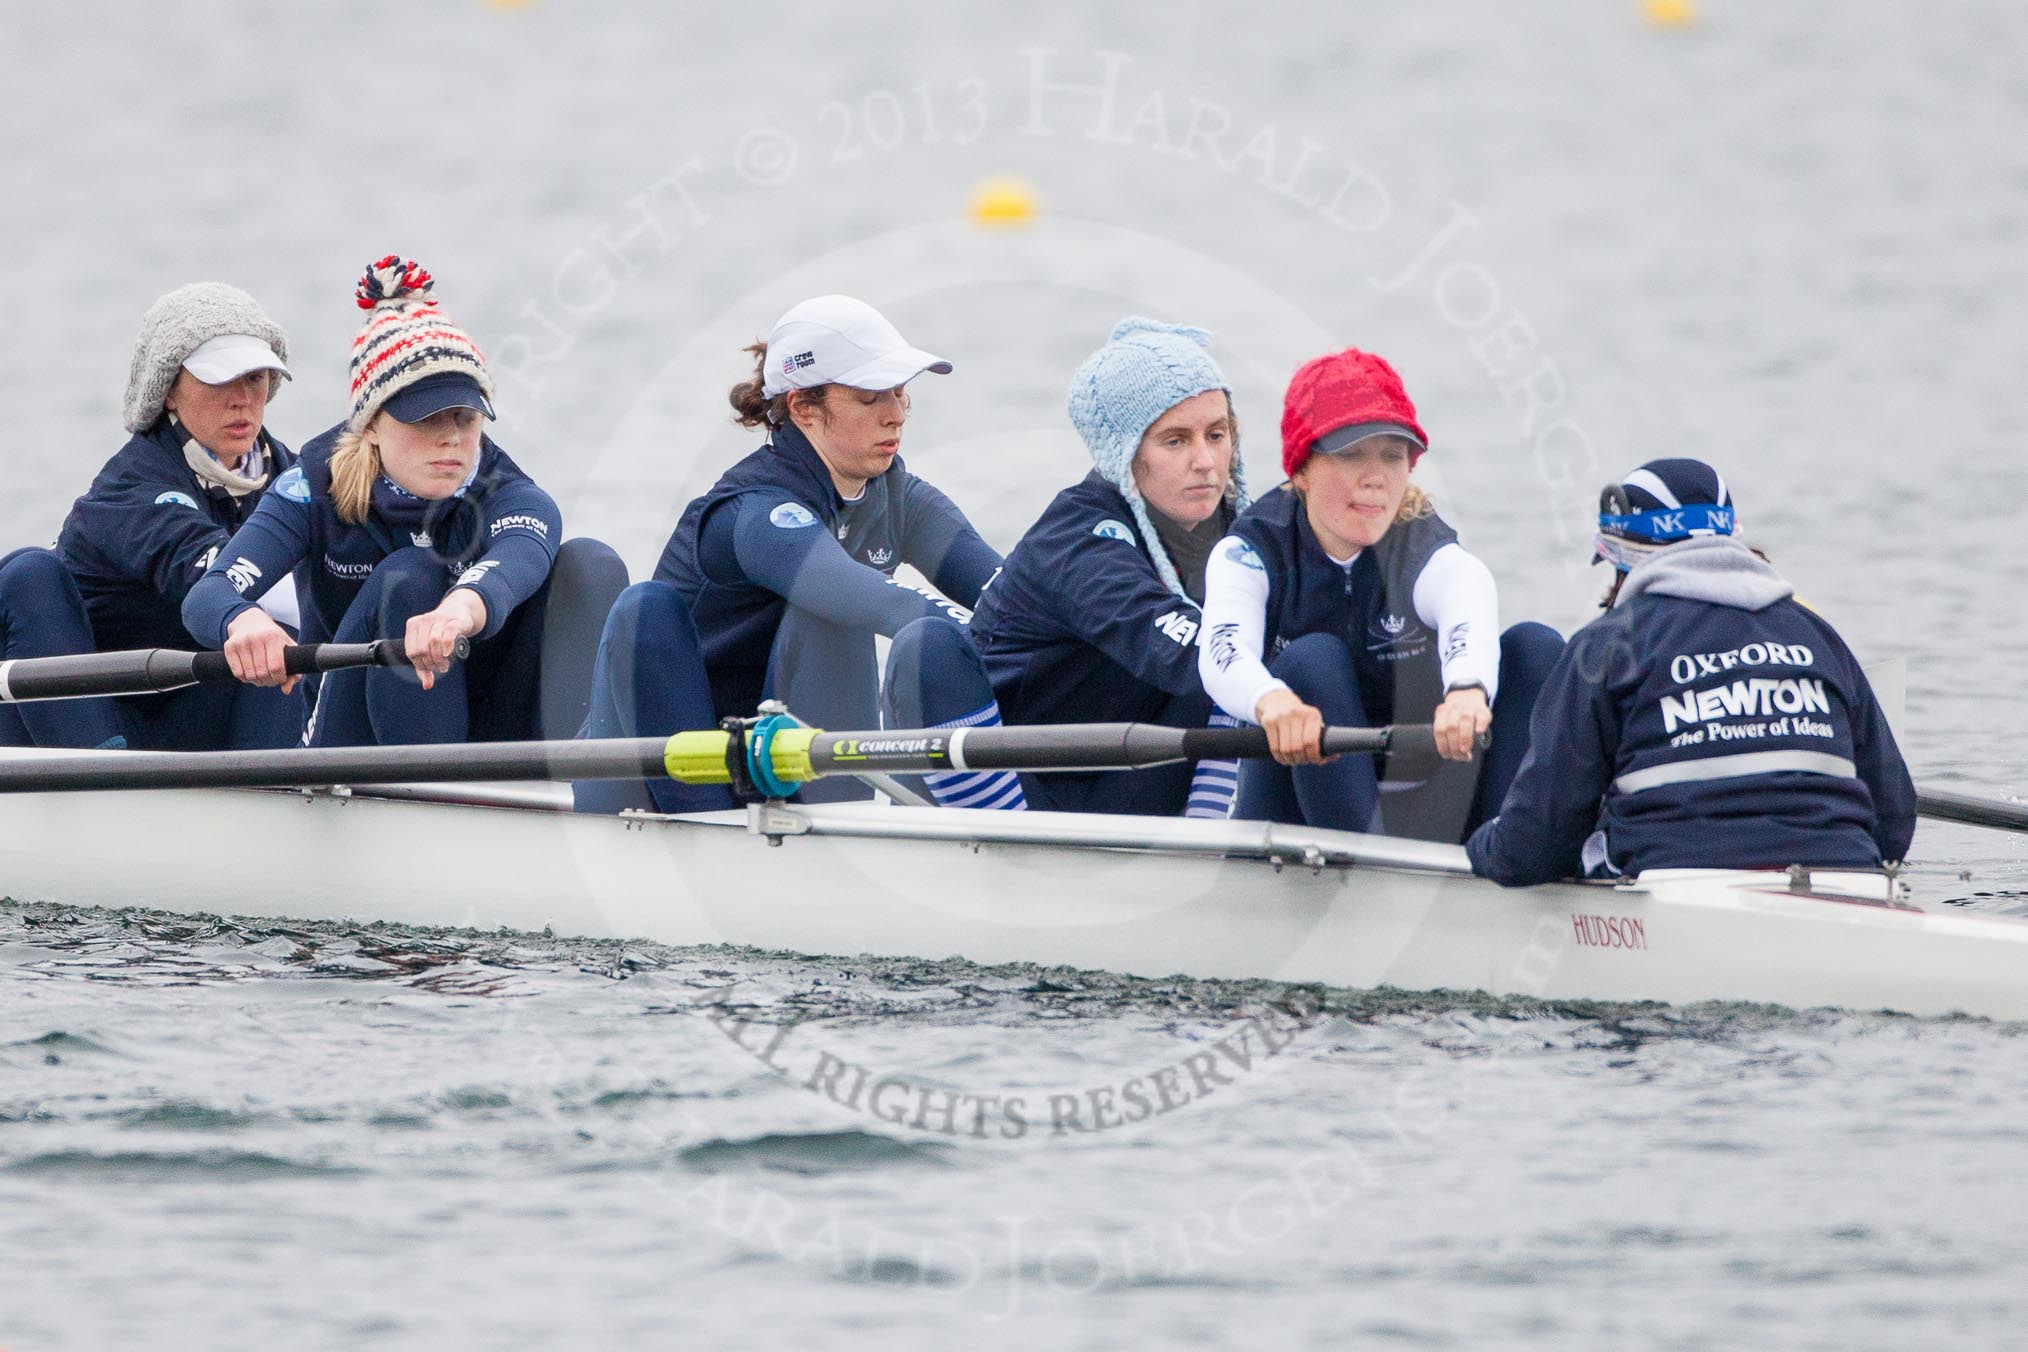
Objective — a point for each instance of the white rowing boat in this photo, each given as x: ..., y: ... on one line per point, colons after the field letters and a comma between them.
x: 1147, y: 896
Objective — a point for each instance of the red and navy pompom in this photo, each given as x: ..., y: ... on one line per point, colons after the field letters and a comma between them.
x: 393, y: 278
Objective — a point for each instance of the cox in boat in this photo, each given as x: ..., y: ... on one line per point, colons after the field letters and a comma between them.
x: 1612, y: 787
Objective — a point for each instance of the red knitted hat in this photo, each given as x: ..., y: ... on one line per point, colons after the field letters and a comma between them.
x: 1345, y: 389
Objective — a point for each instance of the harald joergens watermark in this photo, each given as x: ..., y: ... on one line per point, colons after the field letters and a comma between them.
x: 1010, y: 1115
x: 1096, y: 106
x: 1092, y: 101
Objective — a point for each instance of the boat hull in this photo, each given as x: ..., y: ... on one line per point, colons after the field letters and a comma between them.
x: 866, y: 879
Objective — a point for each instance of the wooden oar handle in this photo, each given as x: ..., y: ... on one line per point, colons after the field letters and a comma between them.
x: 300, y: 659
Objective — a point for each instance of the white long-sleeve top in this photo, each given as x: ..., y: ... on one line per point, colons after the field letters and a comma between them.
x: 1454, y: 595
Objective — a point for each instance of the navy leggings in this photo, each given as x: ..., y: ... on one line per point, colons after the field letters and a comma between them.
x: 1345, y: 795
x: 514, y: 686
x: 650, y: 681
x: 42, y: 614
x: 215, y: 716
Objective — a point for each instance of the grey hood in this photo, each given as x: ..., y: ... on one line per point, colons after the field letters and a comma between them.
x: 1715, y: 568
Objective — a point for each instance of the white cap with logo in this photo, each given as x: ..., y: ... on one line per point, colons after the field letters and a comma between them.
x: 836, y: 340
x: 230, y: 356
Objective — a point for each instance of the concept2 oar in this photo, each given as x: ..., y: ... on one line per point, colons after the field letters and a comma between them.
x: 145, y: 671
x: 771, y: 760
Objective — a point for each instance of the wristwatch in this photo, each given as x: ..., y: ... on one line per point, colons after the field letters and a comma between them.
x: 1479, y: 686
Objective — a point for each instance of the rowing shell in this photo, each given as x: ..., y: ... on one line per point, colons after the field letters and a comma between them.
x: 1147, y: 896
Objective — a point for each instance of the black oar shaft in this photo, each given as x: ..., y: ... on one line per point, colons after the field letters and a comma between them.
x: 119, y: 673
x: 1970, y: 810
x: 155, y: 670
x: 1071, y: 746
x: 694, y: 757
x: 611, y: 758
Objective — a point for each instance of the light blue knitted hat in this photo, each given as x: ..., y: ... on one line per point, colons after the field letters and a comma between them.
x: 1145, y: 369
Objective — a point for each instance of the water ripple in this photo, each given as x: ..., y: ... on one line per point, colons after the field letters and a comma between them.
x: 823, y: 1152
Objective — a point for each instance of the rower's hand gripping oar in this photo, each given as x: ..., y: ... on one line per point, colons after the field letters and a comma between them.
x: 785, y: 754
x: 145, y: 671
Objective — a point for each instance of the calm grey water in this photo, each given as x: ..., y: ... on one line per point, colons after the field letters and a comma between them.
x: 1785, y: 240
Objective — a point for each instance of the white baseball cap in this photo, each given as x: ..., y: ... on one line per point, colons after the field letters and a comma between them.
x: 836, y: 340
x: 230, y: 356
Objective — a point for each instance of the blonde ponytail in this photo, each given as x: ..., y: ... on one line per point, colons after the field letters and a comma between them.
x: 355, y: 464
x: 1415, y: 505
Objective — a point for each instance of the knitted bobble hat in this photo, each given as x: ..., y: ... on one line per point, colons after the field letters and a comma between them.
x: 179, y: 323
x: 1145, y: 369
x: 407, y: 339
x: 1349, y: 389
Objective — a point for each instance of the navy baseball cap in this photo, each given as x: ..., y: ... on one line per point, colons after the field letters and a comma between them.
x: 433, y: 394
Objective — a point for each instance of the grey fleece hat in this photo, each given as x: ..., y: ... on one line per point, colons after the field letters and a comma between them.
x: 175, y: 326
x: 1145, y: 369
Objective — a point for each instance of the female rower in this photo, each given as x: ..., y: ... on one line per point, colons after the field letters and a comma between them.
x: 1096, y: 614
x: 1343, y: 599
x: 1706, y: 720
x: 411, y: 524
x: 198, y: 461
x: 778, y: 578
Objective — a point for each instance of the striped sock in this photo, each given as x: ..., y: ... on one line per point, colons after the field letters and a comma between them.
x: 990, y: 789
x: 1215, y: 786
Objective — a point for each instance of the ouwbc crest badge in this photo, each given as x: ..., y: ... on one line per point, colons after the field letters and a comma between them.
x: 1392, y: 636
x: 1244, y: 554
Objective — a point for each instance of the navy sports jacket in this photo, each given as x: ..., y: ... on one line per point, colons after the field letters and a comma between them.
x: 1706, y: 721
x: 1078, y: 627
x: 146, y: 531
x: 773, y: 530
x: 498, y: 537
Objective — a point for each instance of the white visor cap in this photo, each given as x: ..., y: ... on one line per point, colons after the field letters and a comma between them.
x: 836, y: 340
x: 230, y: 356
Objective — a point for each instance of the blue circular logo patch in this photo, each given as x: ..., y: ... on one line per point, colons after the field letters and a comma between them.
x: 792, y: 516
x: 293, y: 485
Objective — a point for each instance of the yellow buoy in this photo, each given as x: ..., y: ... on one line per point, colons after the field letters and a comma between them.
x: 1670, y: 13
x: 1001, y: 200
